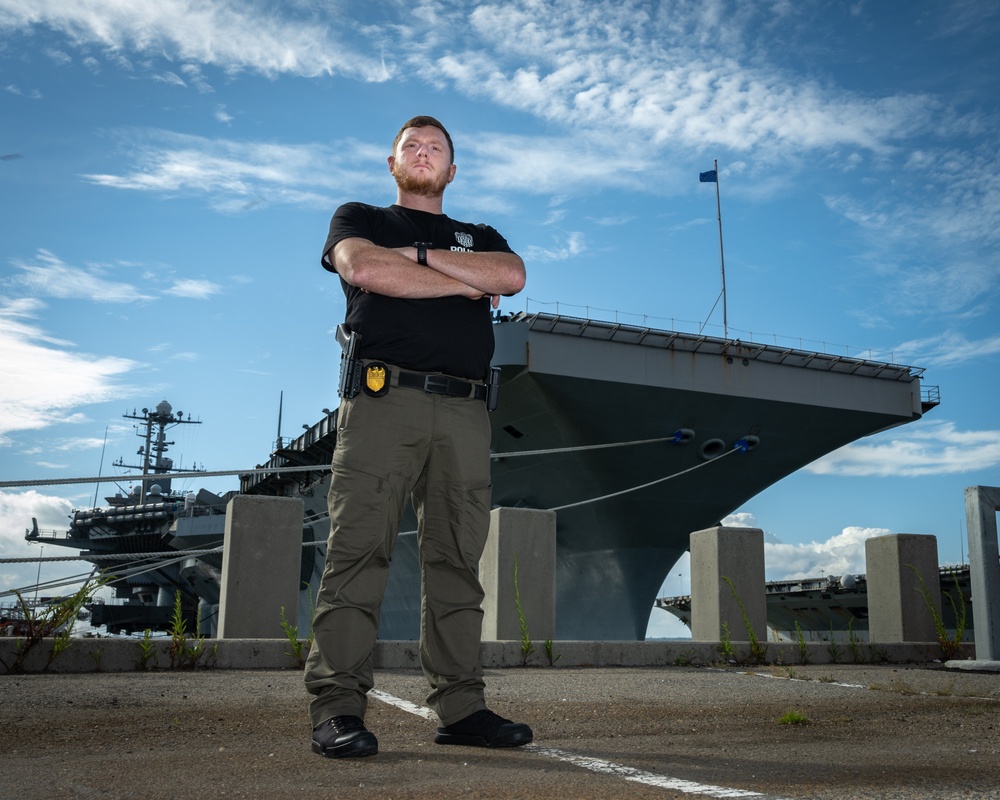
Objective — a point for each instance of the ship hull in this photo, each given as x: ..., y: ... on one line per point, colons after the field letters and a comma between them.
x: 586, y: 426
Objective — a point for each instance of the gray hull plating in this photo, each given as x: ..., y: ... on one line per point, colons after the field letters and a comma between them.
x: 586, y: 425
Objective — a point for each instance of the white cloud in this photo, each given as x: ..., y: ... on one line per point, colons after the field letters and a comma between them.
x: 572, y: 244
x: 237, y: 172
x: 930, y: 448
x: 44, y: 381
x: 32, y: 94
x: 16, y: 512
x: 48, y: 276
x: 231, y: 35
x: 58, y: 56
x: 661, y: 76
x: 839, y: 555
x: 626, y: 86
x: 554, y: 165
x: 197, y: 289
x: 171, y: 78
x: 948, y: 349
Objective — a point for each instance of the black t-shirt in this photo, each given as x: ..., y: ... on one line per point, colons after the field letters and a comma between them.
x: 453, y: 335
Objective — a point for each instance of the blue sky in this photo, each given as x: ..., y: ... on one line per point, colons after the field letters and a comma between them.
x: 168, y: 171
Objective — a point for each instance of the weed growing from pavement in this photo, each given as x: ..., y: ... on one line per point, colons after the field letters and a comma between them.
x: 758, y: 649
x: 949, y: 645
x: 527, y: 647
x: 793, y: 718
x: 833, y: 648
x: 726, y: 649
x: 879, y: 654
x: 183, y: 654
x: 800, y: 640
x: 548, y: 653
x: 147, y: 651
x: 300, y: 647
x: 857, y: 648
x: 52, y: 620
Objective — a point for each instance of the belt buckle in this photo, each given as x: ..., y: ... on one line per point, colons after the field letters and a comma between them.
x: 436, y: 384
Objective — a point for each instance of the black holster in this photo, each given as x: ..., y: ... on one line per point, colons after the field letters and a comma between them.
x: 350, y: 366
x: 493, y: 389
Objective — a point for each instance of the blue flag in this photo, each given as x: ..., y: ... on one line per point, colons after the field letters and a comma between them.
x: 708, y: 177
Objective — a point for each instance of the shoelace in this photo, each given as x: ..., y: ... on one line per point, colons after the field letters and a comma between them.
x: 347, y: 724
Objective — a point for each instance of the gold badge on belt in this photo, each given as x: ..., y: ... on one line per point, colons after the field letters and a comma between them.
x: 376, y: 379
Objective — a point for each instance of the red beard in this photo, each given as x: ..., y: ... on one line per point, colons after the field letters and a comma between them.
x: 422, y: 186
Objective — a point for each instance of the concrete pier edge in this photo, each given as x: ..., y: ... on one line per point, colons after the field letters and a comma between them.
x: 128, y: 655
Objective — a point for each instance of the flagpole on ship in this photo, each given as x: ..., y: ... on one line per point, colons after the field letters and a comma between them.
x: 722, y: 256
x: 713, y: 177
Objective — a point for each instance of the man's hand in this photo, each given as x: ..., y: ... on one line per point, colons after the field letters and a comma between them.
x: 435, y: 261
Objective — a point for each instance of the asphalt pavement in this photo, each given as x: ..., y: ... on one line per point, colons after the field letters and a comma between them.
x: 813, y: 731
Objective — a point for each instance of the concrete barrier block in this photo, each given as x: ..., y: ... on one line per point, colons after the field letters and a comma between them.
x: 901, y: 568
x: 261, y: 565
x: 981, y: 506
x: 530, y: 535
x: 736, y: 554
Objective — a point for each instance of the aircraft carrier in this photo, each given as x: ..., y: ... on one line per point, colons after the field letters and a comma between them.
x: 634, y: 436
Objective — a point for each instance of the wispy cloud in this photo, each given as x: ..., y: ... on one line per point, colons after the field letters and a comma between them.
x: 661, y: 73
x: 236, y: 174
x: 31, y: 94
x: 231, y: 35
x: 44, y: 380
x: 170, y: 78
x: 569, y: 245
x: 49, y: 276
x: 931, y: 448
x: 948, y: 349
x: 197, y: 289
x: 623, y: 90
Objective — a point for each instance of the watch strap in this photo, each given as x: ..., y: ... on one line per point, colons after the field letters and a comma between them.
x: 422, y: 248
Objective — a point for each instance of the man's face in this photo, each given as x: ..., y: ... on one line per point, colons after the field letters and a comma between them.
x: 422, y: 164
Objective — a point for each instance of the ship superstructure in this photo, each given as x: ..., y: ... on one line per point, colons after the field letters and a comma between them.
x: 133, y: 536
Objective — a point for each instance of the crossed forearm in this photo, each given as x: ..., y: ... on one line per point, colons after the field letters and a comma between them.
x: 396, y: 273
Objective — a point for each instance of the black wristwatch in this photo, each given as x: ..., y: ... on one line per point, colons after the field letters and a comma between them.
x: 422, y: 248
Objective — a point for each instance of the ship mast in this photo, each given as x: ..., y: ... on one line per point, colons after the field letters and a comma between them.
x: 154, y: 462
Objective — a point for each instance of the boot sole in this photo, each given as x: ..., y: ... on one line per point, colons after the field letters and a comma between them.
x: 356, y: 749
x: 512, y: 739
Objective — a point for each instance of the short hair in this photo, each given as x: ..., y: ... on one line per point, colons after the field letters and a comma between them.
x: 424, y: 122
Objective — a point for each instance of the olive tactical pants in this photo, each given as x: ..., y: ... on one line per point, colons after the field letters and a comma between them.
x: 434, y: 450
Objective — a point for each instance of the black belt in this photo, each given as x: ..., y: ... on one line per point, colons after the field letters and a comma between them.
x: 434, y: 383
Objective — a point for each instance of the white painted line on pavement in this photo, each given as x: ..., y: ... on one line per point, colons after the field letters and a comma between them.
x: 596, y: 764
x: 406, y: 705
x: 646, y: 778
